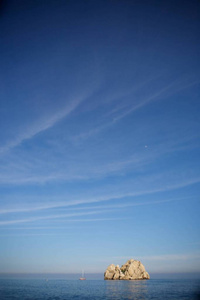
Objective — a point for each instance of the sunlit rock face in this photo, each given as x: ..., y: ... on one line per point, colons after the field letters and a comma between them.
x: 131, y: 270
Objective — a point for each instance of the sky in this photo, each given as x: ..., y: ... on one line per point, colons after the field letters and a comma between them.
x: 99, y: 139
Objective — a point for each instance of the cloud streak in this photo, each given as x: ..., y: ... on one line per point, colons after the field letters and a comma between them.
x: 73, y: 204
x: 50, y: 217
x: 165, y: 257
x: 85, y: 172
x: 44, y: 124
x: 166, y: 91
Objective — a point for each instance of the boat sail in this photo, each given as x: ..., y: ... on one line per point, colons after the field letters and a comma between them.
x: 82, y: 277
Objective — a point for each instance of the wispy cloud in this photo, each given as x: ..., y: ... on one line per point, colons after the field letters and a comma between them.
x: 69, y: 217
x: 73, y: 205
x: 55, y: 227
x: 171, y: 257
x: 50, y: 217
x: 44, y: 124
x: 18, y: 172
x: 167, y: 91
x: 34, y: 234
x: 64, y: 222
x: 125, y: 109
x: 165, y: 257
x: 77, y: 204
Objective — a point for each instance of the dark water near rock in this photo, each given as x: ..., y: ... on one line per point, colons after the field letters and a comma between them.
x: 39, y: 289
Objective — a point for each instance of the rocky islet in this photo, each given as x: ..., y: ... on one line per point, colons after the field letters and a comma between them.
x: 131, y: 270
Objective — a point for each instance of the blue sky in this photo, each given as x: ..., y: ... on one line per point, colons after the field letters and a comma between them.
x: 99, y: 140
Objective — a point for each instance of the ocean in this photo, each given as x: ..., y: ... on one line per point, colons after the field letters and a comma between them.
x: 60, y: 289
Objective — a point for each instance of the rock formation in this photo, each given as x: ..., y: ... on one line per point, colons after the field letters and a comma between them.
x: 131, y: 270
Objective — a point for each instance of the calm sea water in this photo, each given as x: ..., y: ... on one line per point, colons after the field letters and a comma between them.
x: 98, y: 289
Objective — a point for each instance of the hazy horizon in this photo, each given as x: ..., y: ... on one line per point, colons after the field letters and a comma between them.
x: 92, y: 276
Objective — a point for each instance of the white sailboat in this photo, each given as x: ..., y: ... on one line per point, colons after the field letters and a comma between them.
x: 82, y: 277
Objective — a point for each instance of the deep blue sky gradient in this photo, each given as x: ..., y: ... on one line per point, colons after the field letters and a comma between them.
x: 99, y: 140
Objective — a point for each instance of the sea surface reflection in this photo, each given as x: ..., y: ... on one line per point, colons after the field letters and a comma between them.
x: 137, y: 290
